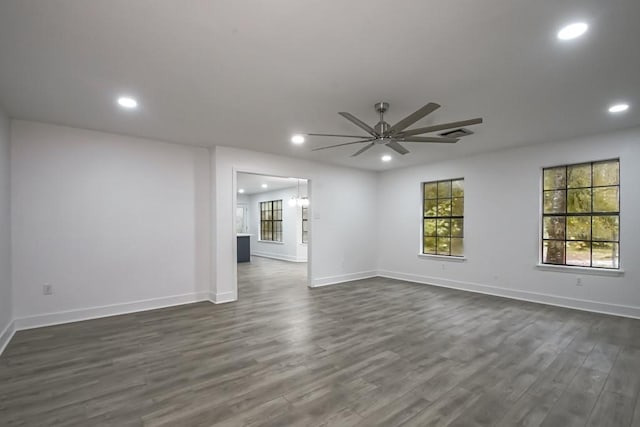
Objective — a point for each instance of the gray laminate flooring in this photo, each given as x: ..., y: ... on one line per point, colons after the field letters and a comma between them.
x: 374, y: 352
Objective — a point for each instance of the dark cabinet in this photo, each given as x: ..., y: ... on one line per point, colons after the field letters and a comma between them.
x: 244, y: 248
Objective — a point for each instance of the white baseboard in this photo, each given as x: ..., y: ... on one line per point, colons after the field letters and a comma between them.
x: 6, y: 335
x: 222, y: 298
x: 278, y: 256
x: 334, y: 280
x: 57, y: 318
x: 555, y: 300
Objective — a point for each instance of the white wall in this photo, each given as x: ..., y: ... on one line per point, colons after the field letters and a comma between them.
x: 113, y: 223
x: 6, y: 298
x: 502, y: 204
x: 291, y: 247
x: 342, y: 227
x: 243, y: 198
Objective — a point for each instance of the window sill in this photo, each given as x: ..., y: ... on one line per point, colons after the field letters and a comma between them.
x: 444, y: 257
x: 273, y: 242
x: 580, y: 270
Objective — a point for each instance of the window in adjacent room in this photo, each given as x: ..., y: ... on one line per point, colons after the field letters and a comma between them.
x: 271, y: 220
x: 443, y: 217
x: 581, y: 215
x: 305, y: 224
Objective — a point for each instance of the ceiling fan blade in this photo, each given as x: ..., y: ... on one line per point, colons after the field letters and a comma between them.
x: 395, y: 146
x: 430, y: 139
x: 340, y: 136
x: 356, y: 121
x: 413, y: 117
x: 442, y: 126
x: 363, y: 149
x: 345, y: 143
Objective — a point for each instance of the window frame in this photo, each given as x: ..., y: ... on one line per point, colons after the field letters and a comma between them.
x: 449, y: 256
x: 591, y: 213
x: 270, y: 234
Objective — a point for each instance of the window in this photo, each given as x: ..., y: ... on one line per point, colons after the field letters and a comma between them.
x: 271, y: 220
x: 443, y: 217
x: 305, y: 224
x: 581, y: 214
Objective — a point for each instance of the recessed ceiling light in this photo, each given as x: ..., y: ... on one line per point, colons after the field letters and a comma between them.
x: 297, y: 139
x: 127, y: 102
x: 241, y: 190
x: 572, y: 31
x: 618, y: 108
x: 264, y: 186
x: 386, y: 158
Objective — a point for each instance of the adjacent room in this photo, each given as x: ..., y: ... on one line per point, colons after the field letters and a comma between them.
x: 272, y: 225
x: 365, y: 213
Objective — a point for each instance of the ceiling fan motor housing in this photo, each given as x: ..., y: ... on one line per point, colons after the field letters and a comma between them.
x: 382, y: 127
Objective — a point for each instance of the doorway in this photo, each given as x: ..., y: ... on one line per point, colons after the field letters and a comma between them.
x: 272, y: 225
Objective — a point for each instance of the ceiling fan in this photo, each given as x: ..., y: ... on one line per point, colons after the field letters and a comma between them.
x: 392, y: 136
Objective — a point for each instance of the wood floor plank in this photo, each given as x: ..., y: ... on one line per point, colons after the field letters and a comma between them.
x: 445, y: 409
x: 636, y: 414
x: 578, y: 400
x: 612, y: 410
x: 374, y: 352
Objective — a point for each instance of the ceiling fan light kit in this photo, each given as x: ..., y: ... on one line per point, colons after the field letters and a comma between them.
x: 391, y: 136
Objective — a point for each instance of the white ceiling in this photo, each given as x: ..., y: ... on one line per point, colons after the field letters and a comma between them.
x: 252, y: 183
x: 251, y: 73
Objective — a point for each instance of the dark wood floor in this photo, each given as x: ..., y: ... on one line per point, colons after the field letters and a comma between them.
x: 375, y: 352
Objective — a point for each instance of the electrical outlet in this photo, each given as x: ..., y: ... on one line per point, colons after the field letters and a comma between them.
x: 578, y: 281
x: 47, y: 289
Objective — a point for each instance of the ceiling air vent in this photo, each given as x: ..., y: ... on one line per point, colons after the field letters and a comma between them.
x: 456, y: 133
